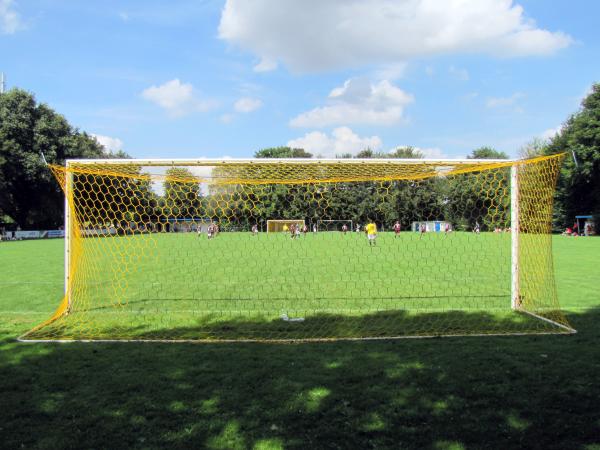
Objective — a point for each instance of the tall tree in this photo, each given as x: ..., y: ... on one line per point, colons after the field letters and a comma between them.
x: 30, y: 196
x: 404, y: 152
x: 282, y: 152
x: 487, y: 153
x: 407, y: 152
x: 578, y: 190
x: 536, y: 147
x: 181, y: 194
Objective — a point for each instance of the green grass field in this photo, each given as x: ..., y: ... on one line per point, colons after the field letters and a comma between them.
x: 493, y: 392
x: 237, y: 286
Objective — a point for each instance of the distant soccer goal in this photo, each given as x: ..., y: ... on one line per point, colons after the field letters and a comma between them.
x: 334, y: 225
x: 278, y: 226
x: 137, y: 280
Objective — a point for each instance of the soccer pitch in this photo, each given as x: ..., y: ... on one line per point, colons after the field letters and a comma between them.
x: 181, y: 286
x: 460, y: 393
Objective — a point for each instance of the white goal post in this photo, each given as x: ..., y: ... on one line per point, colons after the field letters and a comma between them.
x: 160, y: 162
x: 166, y: 162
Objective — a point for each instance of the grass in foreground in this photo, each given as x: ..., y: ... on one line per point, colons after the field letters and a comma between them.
x: 509, y: 392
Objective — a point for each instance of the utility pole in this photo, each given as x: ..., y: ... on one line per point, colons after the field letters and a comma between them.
x: 1, y: 82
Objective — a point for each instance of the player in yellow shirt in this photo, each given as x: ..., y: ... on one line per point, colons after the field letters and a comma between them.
x: 371, y: 230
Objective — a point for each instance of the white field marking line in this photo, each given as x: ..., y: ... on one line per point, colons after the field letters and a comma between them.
x: 285, y: 341
x: 121, y: 310
x: 571, y: 308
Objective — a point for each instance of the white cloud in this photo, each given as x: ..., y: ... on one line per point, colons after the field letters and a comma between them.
x: 247, y: 104
x: 459, y: 73
x: 551, y: 132
x: 334, y: 34
x: 177, y: 98
x: 430, y: 153
x: 226, y: 118
x: 342, y: 140
x: 10, y: 22
x: 358, y: 101
x: 265, y: 65
x: 110, y: 144
x: 391, y: 71
x: 499, y: 102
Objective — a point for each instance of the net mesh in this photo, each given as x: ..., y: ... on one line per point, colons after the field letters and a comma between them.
x: 141, y: 265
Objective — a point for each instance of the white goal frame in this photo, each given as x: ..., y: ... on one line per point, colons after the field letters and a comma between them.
x: 166, y: 162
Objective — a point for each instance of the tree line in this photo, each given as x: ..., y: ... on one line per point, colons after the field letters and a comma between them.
x: 30, y: 197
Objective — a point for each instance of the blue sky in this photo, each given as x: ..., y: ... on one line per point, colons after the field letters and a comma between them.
x: 187, y: 79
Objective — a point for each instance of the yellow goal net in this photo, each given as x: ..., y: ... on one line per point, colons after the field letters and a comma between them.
x: 162, y: 250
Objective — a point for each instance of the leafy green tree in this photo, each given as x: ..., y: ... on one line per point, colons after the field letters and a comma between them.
x: 533, y: 148
x: 282, y: 152
x: 487, y: 153
x: 30, y: 195
x: 366, y: 153
x: 408, y: 152
x: 182, y: 195
x: 578, y: 190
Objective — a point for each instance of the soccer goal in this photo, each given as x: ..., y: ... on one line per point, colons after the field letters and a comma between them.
x: 334, y: 225
x: 280, y: 225
x: 139, y: 282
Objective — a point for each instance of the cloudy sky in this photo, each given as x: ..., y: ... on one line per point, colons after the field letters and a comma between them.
x: 208, y: 78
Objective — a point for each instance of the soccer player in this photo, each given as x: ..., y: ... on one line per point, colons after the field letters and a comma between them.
x: 422, y: 230
x: 285, y: 228
x: 447, y: 228
x: 254, y: 230
x: 358, y: 228
x: 210, y: 231
x: 297, y: 230
x: 292, y: 231
x: 314, y: 228
x: 344, y: 228
x: 305, y: 229
x: 397, y: 228
x: 476, y: 229
x: 371, y: 230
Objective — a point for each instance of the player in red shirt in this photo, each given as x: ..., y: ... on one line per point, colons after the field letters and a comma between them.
x: 344, y: 228
x: 397, y: 228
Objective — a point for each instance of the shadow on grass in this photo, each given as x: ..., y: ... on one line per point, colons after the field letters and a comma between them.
x: 304, y: 325
x: 494, y: 392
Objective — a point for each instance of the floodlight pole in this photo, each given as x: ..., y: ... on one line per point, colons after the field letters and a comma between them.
x: 514, y: 236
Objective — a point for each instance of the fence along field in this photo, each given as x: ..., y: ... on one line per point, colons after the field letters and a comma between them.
x: 139, y: 282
